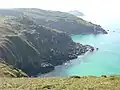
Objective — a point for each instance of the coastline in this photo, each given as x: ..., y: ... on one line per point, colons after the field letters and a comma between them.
x: 65, y: 65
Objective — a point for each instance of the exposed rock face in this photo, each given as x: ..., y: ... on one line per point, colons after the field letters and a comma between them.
x: 35, y: 49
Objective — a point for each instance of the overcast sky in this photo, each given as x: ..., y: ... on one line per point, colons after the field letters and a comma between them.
x: 103, y: 12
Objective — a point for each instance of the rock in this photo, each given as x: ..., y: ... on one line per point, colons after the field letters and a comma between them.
x: 97, y: 48
x: 78, y: 77
x: 89, y: 48
x: 104, y: 76
x: 46, y: 67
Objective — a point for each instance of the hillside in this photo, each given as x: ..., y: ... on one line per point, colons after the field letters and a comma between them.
x: 33, y: 48
x: 35, y: 41
x: 61, y: 83
x: 7, y: 70
x: 56, y: 20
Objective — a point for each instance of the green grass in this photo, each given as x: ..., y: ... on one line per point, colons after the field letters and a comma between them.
x: 61, y: 83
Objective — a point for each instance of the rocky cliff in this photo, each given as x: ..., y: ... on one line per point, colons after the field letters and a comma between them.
x: 56, y: 20
x: 33, y: 48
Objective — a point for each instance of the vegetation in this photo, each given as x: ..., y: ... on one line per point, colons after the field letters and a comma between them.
x: 61, y: 83
x: 9, y: 71
x: 36, y: 41
x: 56, y: 20
x: 33, y: 48
x: 26, y: 46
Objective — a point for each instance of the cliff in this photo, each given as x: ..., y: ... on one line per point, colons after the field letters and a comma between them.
x: 33, y: 48
x: 56, y: 20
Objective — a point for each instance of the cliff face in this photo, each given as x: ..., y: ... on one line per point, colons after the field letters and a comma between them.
x: 57, y: 20
x: 33, y: 48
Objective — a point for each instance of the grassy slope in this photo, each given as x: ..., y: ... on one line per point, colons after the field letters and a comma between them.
x: 8, y: 71
x: 83, y: 83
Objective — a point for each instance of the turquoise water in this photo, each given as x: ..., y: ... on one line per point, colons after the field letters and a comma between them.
x: 104, y: 61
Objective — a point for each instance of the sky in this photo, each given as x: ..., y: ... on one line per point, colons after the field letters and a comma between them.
x: 103, y: 12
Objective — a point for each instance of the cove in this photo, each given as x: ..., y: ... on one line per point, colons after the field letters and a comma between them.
x: 104, y: 61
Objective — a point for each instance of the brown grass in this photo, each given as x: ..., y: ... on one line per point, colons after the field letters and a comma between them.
x: 61, y: 83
